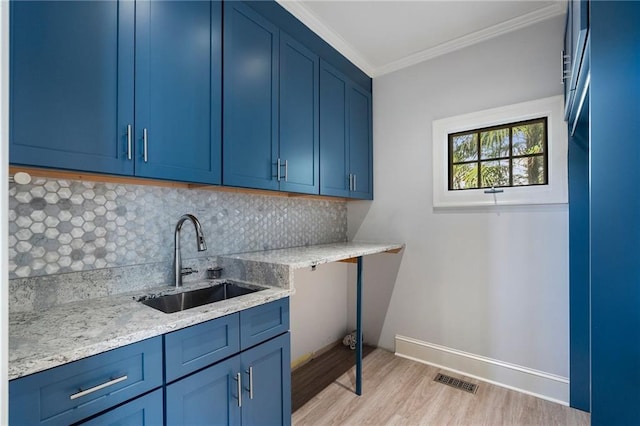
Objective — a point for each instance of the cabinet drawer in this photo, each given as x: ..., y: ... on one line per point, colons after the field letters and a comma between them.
x: 263, y: 322
x: 143, y: 411
x: 196, y: 347
x: 80, y: 389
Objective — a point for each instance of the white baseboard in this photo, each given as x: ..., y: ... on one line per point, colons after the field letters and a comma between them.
x: 522, y: 379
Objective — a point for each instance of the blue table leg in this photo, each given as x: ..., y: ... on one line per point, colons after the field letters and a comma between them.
x: 359, y: 329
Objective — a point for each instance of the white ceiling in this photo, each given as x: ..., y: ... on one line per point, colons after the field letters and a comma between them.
x: 384, y: 36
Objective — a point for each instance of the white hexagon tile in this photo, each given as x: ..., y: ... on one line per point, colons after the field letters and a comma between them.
x: 61, y: 226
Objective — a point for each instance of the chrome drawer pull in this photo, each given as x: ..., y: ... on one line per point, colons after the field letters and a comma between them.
x: 250, y: 372
x: 239, y: 380
x: 97, y: 388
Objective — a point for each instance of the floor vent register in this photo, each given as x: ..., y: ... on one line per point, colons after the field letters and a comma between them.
x: 456, y: 383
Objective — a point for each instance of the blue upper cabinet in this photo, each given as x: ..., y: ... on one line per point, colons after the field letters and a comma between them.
x: 136, y: 88
x: 72, y: 89
x: 271, y: 117
x: 299, y: 118
x: 360, y: 143
x: 178, y: 90
x: 72, y: 76
x: 346, y: 151
x: 334, y: 125
x: 250, y: 98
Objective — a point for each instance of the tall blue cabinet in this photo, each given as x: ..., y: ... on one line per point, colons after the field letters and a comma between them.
x: 122, y: 87
x: 604, y: 121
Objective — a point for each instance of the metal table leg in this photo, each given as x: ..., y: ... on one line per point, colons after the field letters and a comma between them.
x: 359, y: 329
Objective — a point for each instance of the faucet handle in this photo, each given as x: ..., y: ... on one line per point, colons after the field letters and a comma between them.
x: 188, y: 271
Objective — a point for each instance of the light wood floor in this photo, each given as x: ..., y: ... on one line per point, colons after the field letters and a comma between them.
x: 397, y: 391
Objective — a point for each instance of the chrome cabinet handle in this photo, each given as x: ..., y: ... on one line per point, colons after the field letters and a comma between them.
x: 278, y: 169
x: 350, y: 181
x: 129, y: 141
x: 286, y: 170
x: 355, y: 183
x: 97, y: 388
x: 250, y: 373
x: 145, y: 140
x: 239, y: 380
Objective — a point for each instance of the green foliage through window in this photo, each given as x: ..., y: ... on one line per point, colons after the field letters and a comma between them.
x: 513, y: 154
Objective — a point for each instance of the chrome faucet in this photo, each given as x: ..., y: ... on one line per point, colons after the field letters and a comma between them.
x: 177, y: 259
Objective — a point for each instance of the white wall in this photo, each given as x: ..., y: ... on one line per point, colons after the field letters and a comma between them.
x: 491, y: 282
x: 318, y: 309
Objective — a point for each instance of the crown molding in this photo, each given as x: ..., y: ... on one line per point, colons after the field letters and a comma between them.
x: 328, y: 34
x: 307, y: 17
x: 473, y: 38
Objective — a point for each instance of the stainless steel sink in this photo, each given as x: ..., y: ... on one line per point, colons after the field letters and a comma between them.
x: 190, y: 299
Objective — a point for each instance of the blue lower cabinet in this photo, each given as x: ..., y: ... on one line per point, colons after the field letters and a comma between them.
x: 209, y: 397
x: 252, y: 388
x: 83, y: 388
x: 263, y: 322
x: 267, y: 383
x: 201, y: 345
x: 143, y: 411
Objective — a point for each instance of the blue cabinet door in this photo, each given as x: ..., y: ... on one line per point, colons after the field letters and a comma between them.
x: 144, y: 411
x: 178, y: 90
x: 360, y: 143
x: 615, y: 207
x: 267, y: 383
x: 579, y: 302
x: 346, y: 151
x: 334, y: 152
x: 209, y: 397
x: 71, y: 95
x: 299, y: 117
x: 250, y: 98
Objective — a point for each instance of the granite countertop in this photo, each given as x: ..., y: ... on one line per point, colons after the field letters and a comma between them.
x: 65, y: 333
x: 303, y: 257
x: 39, y: 340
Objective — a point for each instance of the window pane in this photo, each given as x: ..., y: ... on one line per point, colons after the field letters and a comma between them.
x: 494, y: 143
x: 465, y: 176
x: 494, y: 173
x: 528, y: 139
x: 465, y: 147
x: 528, y: 171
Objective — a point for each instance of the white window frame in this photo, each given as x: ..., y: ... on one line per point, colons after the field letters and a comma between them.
x: 555, y: 192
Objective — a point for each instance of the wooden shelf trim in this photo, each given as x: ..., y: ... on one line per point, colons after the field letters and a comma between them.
x: 131, y: 180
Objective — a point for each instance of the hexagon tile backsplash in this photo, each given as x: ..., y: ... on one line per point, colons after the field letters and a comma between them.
x: 59, y: 226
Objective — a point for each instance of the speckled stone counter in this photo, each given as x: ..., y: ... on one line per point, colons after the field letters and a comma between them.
x: 302, y: 257
x: 65, y: 333
x: 276, y: 267
x: 39, y: 340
